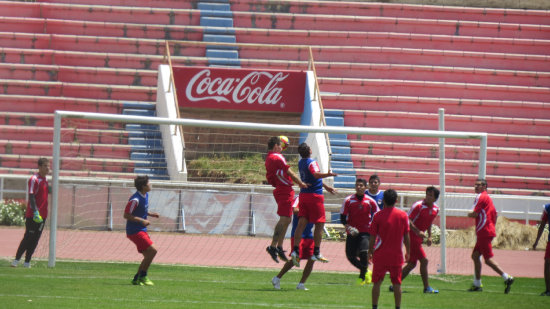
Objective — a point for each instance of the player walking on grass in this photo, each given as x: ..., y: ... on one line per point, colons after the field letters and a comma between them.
x: 389, y: 230
x: 486, y: 218
x: 356, y: 214
x: 280, y: 176
x: 545, y: 218
x: 136, y: 213
x: 306, y: 252
x: 374, y: 190
x: 36, y: 214
x: 312, y: 207
x: 421, y: 217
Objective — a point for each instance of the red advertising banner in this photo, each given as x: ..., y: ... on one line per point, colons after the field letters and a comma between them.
x: 240, y: 89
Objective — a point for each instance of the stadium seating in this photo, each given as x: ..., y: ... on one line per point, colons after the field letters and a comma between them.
x: 379, y: 65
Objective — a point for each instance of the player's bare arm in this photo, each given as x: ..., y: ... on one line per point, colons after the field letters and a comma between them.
x: 542, y: 224
x: 324, y: 175
x: 472, y: 214
x: 296, y: 179
x: 133, y: 218
x: 407, y: 242
x: 330, y: 189
x: 416, y: 230
x: 153, y: 214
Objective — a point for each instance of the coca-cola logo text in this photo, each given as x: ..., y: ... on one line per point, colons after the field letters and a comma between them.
x: 203, y: 87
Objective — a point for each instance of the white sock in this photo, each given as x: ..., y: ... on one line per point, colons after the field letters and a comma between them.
x: 477, y: 282
x: 505, y: 276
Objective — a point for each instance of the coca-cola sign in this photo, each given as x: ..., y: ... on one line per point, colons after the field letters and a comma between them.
x: 240, y: 89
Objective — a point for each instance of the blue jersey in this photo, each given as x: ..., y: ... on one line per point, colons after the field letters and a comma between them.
x: 378, y: 197
x: 308, y: 231
x: 547, y: 212
x: 138, y: 205
x: 307, y: 167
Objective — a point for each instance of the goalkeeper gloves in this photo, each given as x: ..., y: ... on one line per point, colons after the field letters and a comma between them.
x: 352, y: 231
x: 37, y: 218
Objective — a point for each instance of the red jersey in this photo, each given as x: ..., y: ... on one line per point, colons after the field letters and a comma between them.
x: 486, y: 215
x: 389, y: 225
x: 276, y: 170
x: 38, y: 186
x: 359, y: 211
x: 422, y: 216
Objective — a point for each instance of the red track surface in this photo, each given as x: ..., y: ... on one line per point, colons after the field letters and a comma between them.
x: 215, y: 250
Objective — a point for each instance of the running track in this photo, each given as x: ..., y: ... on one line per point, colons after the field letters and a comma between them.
x: 227, y: 251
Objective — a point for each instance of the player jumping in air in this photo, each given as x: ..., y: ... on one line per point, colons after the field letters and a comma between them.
x: 280, y: 176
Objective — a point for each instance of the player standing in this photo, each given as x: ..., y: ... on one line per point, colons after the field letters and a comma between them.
x: 390, y: 230
x: 280, y: 176
x: 306, y: 252
x: 36, y: 214
x: 356, y: 214
x: 545, y: 218
x: 136, y: 213
x: 486, y: 218
x: 312, y: 207
x: 421, y: 217
x: 374, y: 192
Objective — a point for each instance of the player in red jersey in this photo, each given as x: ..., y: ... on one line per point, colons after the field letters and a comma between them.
x: 389, y: 230
x: 36, y: 214
x: 356, y: 214
x: 486, y: 218
x: 421, y: 217
x: 280, y: 176
x: 545, y: 218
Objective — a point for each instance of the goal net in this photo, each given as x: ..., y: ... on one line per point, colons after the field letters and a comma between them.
x: 224, y: 213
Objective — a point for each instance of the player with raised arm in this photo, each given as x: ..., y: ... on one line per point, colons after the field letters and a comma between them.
x: 312, y: 207
x: 306, y: 252
x: 421, y: 217
x: 374, y: 190
x: 486, y: 218
x: 136, y: 213
x: 356, y: 214
x: 280, y: 175
x: 389, y: 230
x: 545, y: 218
x: 36, y: 214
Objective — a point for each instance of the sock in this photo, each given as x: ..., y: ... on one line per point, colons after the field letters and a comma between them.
x: 296, y: 249
x: 316, y: 250
x: 477, y: 282
x: 280, y: 248
x: 136, y: 277
x: 374, y: 306
x: 143, y: 273
x: 397, y: 307
x: 505, y: 276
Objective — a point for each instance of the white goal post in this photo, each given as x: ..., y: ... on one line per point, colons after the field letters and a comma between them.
x: 265, y: 127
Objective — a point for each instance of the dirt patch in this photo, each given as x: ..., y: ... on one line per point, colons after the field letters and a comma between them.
x: 510, y: 236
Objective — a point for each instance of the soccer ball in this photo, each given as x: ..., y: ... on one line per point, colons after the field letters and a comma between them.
x: 284, y: 142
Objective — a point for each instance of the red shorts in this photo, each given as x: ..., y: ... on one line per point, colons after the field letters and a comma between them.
x: 306, y: 248
x: 312, y: 207
x: 547, y: 254
x: 483, y: 246
x: 284, y: 201
x: 379, y: 271
x: 417, y: 252
x: 142, y: 241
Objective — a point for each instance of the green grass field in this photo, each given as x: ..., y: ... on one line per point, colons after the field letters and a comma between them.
x: 107, y: 285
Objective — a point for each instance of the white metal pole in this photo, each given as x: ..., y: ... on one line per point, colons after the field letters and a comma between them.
x: 483, y: 156
x: 441, y: 201
x: 55, y: 188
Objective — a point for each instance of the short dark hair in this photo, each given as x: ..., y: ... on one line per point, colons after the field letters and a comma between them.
x: 43, y: 161
x: 141, y: 181
x: 434, y: 190
x: 374, y: 177
x: 390, y: 197
x: 304, y: 150
x: 274, y: 140
x: 483, y: 181
x: 361, y: 180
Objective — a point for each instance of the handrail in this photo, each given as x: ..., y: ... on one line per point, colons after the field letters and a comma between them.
x: 173, y: 87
